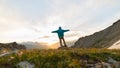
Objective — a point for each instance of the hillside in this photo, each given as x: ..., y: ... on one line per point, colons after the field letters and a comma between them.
x: 102, y: 39
x: 70, y: 58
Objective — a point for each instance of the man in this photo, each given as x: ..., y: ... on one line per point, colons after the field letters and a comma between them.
x: 60, y: 33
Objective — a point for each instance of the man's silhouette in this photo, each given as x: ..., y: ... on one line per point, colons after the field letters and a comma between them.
x: 60, y: 33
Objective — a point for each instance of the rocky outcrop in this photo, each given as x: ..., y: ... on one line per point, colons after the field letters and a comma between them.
x: 100, y: 64
x: 24, y: 64
x: 102, y: 39
x: 11, y: 46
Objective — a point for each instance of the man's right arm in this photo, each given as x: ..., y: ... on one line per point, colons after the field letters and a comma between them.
x: 54, y: 31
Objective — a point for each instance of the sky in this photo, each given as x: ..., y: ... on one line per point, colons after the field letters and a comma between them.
x: 33, y: 20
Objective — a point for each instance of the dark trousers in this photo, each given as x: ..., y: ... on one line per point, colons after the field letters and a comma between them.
x: 62, y: 42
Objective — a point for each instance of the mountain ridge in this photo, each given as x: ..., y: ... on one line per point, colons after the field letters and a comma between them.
x: 11, y: 46
x: 101, y: 39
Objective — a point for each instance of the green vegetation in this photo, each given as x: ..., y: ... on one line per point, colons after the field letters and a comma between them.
x: 63, y: 58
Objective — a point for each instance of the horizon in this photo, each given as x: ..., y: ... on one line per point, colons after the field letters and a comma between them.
x: 23, y: 21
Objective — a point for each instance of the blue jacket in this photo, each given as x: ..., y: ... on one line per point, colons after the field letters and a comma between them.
x: 60, y: 32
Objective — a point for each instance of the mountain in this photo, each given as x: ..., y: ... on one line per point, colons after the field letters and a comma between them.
x: 35, y: 45
x: 11, y: 46
x: 101, y: 39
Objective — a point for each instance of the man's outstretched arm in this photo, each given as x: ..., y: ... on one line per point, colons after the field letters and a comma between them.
x: 54, y: 31
x: 66, y: 30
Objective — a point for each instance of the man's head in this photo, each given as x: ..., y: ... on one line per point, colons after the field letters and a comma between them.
x: 60, y: 28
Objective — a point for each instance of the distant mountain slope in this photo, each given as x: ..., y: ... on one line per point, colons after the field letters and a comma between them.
x: 102, y: 39
x: 35, y: 45
x: 11, y: 46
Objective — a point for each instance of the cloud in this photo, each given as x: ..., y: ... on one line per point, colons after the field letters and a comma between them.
x: 44, y: 37
x: 27, y: 20
x: 84, y: 14
x: 13, y: 25
x: 10, y: 19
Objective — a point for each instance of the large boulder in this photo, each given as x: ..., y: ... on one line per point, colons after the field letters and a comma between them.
x: 24, y: 64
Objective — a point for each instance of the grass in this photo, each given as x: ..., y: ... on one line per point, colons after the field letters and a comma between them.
x: 69, y: 58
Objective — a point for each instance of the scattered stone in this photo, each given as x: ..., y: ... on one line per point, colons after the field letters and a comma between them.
x: 24, y: 64
x: 8, y: 53
x: 90, y: 65
x: 100, y: 64
x: 106, y: 65
x: 113, y: 62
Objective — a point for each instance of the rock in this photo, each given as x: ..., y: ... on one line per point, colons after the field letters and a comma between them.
x: 106, y: 65
x: 111, y: 64
x: 115, y: 63
x: 98, y: 65
x: 24, y: 64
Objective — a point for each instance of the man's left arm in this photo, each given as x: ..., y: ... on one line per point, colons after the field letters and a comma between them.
x: 66, y: 30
